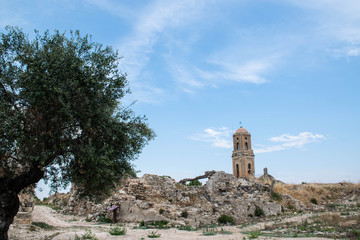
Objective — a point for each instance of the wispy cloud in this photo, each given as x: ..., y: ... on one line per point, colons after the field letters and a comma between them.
x: 337, y: 23
x: 217, y: 137
x: 250, y: 71
x: 287, y: 141
x: 114, y: 8
x: 221, y: 138
x: 152, y: 22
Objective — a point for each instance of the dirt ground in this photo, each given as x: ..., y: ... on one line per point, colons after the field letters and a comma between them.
x: 67, y: 227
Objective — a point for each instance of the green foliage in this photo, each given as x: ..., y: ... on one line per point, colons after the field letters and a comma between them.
x: 59, y: 111
x: 43, y: 225
x: 104, y: 219
x: 276, y: 196
x: 154, y: 234
x: 209, y: 231
x: 254, y: 234
x: 194, y: 183
x: 184, y: 214
x: 117, y: 231
x: 259, y: 212
x: 224, y: 232
x: 161, y: 224
x: 225, y: 219
x: 87, y: 235
x: 187, y: 228
x: 314, y: 201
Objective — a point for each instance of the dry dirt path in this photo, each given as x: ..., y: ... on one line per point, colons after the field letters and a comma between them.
x: 67, y: 226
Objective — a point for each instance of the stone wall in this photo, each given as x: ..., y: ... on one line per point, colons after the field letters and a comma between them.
x: 24, y: 215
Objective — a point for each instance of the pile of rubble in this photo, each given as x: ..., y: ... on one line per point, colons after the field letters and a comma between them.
x: 153, y: 198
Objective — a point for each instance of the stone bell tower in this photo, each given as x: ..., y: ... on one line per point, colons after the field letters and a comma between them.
x: 243, y: 155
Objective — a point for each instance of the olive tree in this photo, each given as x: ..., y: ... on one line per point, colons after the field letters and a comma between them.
x: 61, y: 117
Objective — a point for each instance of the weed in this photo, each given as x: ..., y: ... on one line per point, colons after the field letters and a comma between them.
x: 184, y: 214
x: 259, y: 212
x: 314, y: 201
x: 222, y: 231
x: 154, y: 234
x: 187, y: 228
x: 117, y: 231
x: 254, y: 234
x: 161, y: 211
x: 104, y: 219
x: 32, y: 228
x: 209, y: 232
x: 226, y: 219
x: 276, y: 196
x: 87, y: 235
x: 43, y: 225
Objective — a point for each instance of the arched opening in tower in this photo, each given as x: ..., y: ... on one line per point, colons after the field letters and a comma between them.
x: 237, y: 170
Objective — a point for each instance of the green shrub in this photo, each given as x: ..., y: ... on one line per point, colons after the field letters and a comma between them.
x: 194, y: 183
x: 87, y: 235
x: 184, y: 214
x: 259, y: 212
x: 187, y: 228
x: 225, y: 219
x: 43, y: 225
x: 222, y: 231
x: 276, y: 196
x: 161, y: 211
x: 104, y: 219
x: 314, y: 201
x: 117, y: 231
x: 153, y: 234
x: 254, y: 234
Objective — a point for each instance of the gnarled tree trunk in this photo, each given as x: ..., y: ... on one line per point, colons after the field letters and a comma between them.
x: 9, y: 206
x: 9, y: 200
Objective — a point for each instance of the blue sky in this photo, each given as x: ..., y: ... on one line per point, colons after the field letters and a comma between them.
x: 287, y: 69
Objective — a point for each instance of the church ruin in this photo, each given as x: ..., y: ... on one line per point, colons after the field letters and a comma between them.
x: 243, y: 155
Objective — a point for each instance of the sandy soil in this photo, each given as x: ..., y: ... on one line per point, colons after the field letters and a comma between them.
x: 67, y: 226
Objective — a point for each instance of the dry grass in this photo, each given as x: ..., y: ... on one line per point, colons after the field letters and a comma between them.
x: 318, y: 191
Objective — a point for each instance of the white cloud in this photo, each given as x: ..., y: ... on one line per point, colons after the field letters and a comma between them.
x: 152, y: 22
x: 114, y: 7
x: 217, y: 137
x: 287, y: 141
x: 250, y: 72
x: 351, y: 51
x: 336, y: 22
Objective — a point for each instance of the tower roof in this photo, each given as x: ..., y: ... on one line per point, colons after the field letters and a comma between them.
x: 241, y: 130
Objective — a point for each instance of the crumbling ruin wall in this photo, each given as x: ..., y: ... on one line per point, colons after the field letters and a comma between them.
x: 26, y: 198
x: 152, y: 198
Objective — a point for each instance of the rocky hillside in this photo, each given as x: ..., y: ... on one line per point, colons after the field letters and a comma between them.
x: 153, y: 198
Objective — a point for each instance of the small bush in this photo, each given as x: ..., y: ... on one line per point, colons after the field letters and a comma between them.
x: 104, y: 219
x: 259, y: 212
x: 275, y: 196
x: 194, y: 183
x: 225, y: 219
x: 222, y: 231
x: 184, y: 214
x: 254, y: 234
x: 117, y: 231
x: 187, y: 228
x: 153, y: 234
x: 43, y: 225
x: 314, y: 201
x: 87, y: 235
x: 161, y: 211
x: 209, y: 231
